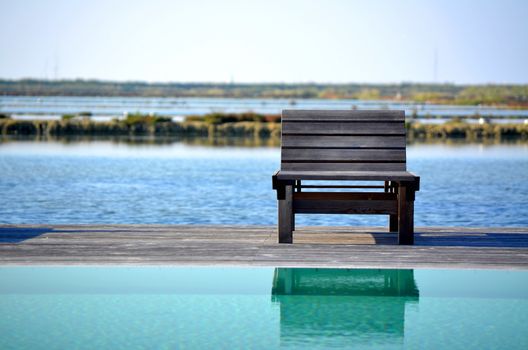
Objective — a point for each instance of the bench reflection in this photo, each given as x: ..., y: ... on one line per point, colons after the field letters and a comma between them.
x: 333, y: 306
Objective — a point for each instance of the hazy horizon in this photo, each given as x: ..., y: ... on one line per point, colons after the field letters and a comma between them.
x: 264, y: 42
x: 125, y: 81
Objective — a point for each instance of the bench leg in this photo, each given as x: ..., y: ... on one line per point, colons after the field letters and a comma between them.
x: 286, y: 216
x: 393, y: 219
x: 393, y: 223
x: 297, y: 188
x: 405, y: 216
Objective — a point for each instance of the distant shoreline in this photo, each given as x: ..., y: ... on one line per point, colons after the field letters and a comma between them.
x: 509, y: 96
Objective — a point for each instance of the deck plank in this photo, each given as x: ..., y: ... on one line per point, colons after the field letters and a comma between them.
x: 435, y: 247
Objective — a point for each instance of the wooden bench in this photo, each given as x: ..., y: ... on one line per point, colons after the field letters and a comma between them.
x: 346, y: 146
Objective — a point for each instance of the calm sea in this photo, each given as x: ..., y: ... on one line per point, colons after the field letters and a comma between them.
x: 105, y: 108
x: 182, y: 183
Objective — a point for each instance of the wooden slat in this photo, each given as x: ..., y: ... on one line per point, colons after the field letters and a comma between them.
x: 345, y: 203
x: 344, y: 196
x: 345, y: 207
x: 348, y: 175
x: 329, y: 115
x: 330, y: 155
x: 342, y: 186
x: 329, y: 167
x: 343, y: 141
x: 340, y: 128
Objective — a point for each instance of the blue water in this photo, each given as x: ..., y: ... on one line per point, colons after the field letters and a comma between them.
x: 177, y: 183
x: 261, y: 308
x: 100, y: 107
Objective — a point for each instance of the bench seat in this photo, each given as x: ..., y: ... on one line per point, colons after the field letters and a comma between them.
x: 347, y: 175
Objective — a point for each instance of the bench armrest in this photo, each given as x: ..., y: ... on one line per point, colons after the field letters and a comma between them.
x: 280, y: 185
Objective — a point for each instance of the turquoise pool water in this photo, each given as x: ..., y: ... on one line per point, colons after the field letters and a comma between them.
x: 261, y: 308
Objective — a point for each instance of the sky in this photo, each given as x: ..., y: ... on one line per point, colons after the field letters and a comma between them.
x: 290, y: 41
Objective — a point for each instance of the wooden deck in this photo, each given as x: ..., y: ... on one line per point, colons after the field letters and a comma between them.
x: 447, y: 247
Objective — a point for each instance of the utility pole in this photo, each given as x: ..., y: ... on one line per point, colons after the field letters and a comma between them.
x: 435, y: 65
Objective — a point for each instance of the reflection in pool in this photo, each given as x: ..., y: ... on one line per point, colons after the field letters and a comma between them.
x: 110, y: 307
x: 343, y: 306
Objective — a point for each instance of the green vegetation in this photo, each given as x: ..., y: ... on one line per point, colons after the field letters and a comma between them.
x: 368, y: 94
x: 247, y: 125
x: 513, y: 96
x: 457, y: 129
x: 4, y: 116
x: 222, y: 118
x: 137, y: 124
x: 68, y: 116
x: 77, y: 115
x: 494, y: 94
x: 138, y: 119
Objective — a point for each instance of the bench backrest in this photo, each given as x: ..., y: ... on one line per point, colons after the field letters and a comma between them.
x: 338, y: 140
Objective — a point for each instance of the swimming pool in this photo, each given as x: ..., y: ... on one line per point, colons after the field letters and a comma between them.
x: 261, y: 308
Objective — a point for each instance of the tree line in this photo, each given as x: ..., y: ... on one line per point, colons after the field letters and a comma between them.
x: 490, y: 94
